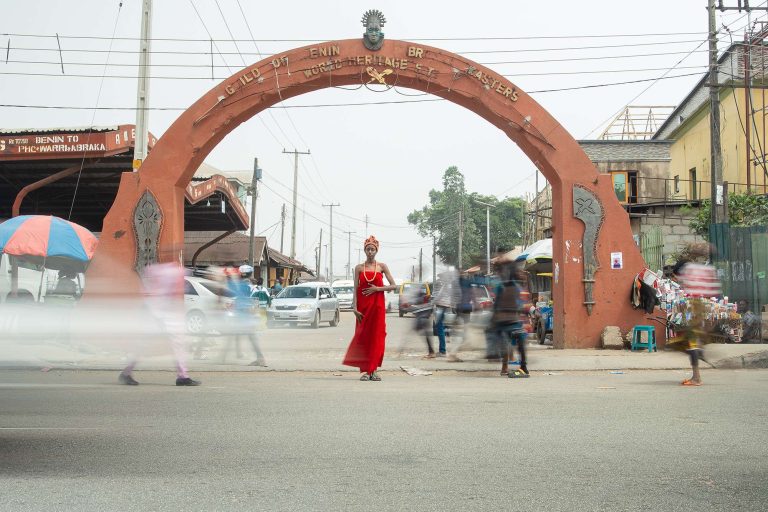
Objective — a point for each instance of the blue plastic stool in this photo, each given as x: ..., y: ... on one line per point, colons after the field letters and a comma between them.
x: 637, y: 337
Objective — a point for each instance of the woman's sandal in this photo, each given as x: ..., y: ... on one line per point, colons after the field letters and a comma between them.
x: 365, y: 376
x: 375, y: 376
x: 689, y: 382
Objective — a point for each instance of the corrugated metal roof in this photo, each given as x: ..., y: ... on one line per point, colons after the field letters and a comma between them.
x: 63, y: 129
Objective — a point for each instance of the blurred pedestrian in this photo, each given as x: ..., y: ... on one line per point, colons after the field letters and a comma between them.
x: 244, y: 320
x: 366, y: 350
x: 699, y: 282
x: 164, y: 291
x: 445, y: 300
x: 464, y: 309
x: 509, y: 311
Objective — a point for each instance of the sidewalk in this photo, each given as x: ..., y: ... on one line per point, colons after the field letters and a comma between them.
x: 541, y: 358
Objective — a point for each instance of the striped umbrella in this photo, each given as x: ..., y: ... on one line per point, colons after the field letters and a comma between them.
x: 50, y: 241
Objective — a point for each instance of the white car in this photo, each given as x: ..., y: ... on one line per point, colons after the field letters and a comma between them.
x: 345, y: 291
x: 206, y: 304
x: 305, y: 303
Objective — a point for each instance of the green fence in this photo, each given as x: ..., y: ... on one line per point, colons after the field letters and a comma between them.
x: 742, y: 262
x: 652, y: 247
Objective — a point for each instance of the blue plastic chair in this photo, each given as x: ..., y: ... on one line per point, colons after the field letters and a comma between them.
x: 650, y: 338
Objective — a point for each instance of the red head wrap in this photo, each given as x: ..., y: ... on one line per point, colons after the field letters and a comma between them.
x: 371, y: 240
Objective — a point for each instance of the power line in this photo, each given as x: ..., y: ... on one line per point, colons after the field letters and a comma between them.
x: 193, y: 66
x: 470, y: 38
x: 207, y: 52
x: 93, y: 116
x: 591, y: 86
x: 213, y: 43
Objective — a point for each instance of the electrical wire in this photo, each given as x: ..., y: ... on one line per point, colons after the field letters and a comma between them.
x: 470, y: 38
x: 207, y: 53
x: 205, y: 27
x: 654, y: 82
x: 550, y: 73
x: 741, y: 122
x: 93, y: 116
x: 365, y: 103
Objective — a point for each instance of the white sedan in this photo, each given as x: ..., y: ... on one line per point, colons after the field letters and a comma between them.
x: 305, y: 303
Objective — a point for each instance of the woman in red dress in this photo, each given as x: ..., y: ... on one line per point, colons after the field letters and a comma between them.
x: 366, y: 351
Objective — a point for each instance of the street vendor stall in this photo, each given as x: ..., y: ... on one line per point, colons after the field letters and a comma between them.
x: 723, y: 323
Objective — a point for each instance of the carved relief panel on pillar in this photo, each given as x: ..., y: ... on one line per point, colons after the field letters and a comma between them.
x: 147, y: 223
x: 588, y: 209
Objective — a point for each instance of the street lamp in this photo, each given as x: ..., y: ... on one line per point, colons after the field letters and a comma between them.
x: 487, y: 231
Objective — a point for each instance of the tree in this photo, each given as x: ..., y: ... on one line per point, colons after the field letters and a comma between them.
x: 440, y: 218
x: 743, y: 210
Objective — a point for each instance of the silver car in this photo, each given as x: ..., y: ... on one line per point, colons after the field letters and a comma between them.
x: 207, y: 305
x: 304, y: 303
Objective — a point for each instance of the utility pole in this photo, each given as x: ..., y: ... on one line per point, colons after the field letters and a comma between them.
x: 330, y: 238
x: 253, y: 189
x: 487, y: 232
x: 421, y: 256
x: 317, y: 261
x: 142, y: 92
x: 366, y: 226
x: 282, y: 228
x: 295, y: 195
x: 326, y: 261
x: 747, y: 108
x: 434, y: 260
x: 461, y: 237
x: 716, y: 170
x: 320, y: 257
x: 715, y: 163
x: 349, y: 253
x: 536, y: 211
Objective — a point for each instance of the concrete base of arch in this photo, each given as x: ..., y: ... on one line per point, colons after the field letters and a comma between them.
x: 179, y: 152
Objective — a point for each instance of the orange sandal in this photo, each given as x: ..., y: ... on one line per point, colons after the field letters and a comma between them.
x: 689, y: 382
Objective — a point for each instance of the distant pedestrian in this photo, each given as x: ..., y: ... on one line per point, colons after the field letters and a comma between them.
x: 366, y: 350
x: 750, y: 323
x: 278, y: 287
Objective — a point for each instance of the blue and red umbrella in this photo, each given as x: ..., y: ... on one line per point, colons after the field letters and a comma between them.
x: 53, y: 242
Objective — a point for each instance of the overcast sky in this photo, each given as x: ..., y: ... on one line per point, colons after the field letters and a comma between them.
x: 375, y: 160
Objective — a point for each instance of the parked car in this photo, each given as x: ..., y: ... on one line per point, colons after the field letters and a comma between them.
x: 482, y: 304
x: 206, y: 304
x: 413, y: 295
x: 344, y: 291
x: 305, y: 303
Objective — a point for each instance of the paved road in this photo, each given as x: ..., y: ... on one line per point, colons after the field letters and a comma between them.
x: 286, y: 348
x: 317, y: 441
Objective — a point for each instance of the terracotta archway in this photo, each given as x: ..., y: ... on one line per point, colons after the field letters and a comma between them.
x: 576, y: 186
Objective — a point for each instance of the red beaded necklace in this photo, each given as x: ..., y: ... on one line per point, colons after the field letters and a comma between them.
x: 375, y: 271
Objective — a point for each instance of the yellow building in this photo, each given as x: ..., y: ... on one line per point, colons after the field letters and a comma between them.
x: 742, y: 129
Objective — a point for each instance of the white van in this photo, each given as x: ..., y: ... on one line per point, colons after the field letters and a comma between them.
x: 344, y: 290
x: 34, y: 281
